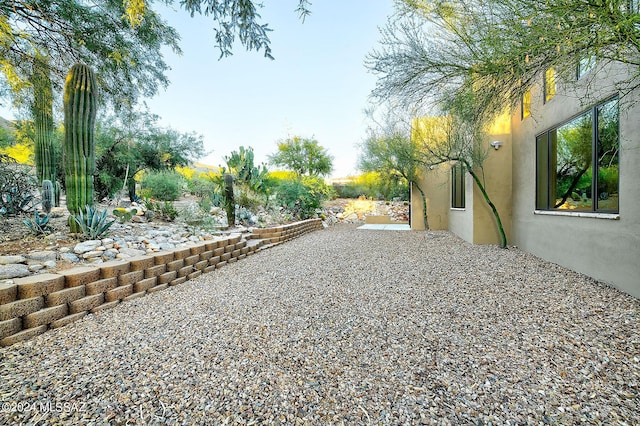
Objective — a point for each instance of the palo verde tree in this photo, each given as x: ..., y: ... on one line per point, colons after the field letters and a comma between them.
x: 302, y: 156
x: 233, y: 19
x: 121, y: 40
x: 457, y: 137
x: 42, y: 110
x: 434, y: 51
x: 127, y: 59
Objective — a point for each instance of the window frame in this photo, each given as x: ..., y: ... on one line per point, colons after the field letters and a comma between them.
x: 543, y: 202
x: 458, y: 184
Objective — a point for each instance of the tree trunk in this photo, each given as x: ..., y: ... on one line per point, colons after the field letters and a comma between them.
x: 572, y: 187
x: 496, y: 215
x: 424, y: 205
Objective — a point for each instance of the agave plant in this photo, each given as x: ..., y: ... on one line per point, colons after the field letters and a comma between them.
x: 93, y: 223
x: 39, y: 225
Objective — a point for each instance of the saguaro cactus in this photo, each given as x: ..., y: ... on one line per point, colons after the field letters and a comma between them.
x: 80, y: 93
x: 47, y: 196
x: 42, y: 112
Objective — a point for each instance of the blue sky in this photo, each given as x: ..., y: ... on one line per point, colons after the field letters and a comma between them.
x: 317, y: 86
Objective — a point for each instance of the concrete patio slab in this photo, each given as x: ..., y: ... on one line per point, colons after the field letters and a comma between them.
x: 386, y: 227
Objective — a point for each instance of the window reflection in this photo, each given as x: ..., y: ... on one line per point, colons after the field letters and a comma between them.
x: 608, y: 156
x: 573, y: 164
x: 567, y: 156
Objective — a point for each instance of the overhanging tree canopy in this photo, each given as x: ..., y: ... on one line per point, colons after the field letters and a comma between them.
x: 128, y: 60
x: 431, y: 52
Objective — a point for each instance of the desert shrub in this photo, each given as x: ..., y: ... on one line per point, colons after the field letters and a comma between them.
x: 248, y: 199
x: 196, y: 217
x: 161, y: 210
x: 349, y: 190
x: 201, y: 186
x: 373, y: 185
x: 303, y: 196
x: 17, y: 188
x: 163, y: 186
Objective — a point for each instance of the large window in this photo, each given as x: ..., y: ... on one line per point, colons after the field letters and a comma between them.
x: 457, y: 186
x: 549, y: 84
x: 577, y: 163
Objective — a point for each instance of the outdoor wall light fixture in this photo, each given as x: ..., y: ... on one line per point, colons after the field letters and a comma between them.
x: 496, y: 144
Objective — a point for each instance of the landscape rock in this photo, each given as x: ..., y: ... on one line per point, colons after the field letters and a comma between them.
x: 14, y: 271
x: 51, y: 264
x: 35, y: 267
x: 132, y: 252
x: 8, y: 260
x: 42, y: 256
x: 92, y: 254
x: 86, y: 246
x: 69, y: 257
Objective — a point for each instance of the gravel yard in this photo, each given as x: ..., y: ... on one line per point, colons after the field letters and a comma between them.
x: 345, y: 326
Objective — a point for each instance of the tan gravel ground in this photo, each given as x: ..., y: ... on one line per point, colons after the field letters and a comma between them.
x: 345, y: 326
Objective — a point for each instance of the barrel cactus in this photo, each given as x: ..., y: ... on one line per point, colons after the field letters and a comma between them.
x: 47, y: 196
x: 80, y: 102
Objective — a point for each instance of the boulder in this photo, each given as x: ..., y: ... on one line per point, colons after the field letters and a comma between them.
x: 15, y: 270
x: 8, y: 260
x: 42, y: 256
x: 86, y: 246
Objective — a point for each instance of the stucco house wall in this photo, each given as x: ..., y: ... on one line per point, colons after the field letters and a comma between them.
x: 603, y: 246
x: 435, y: 184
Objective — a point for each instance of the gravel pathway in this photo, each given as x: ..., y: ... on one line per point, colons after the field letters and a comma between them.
x: 345, y: 326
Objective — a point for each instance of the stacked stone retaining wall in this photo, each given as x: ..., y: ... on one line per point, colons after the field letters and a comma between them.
x: 31, y: 305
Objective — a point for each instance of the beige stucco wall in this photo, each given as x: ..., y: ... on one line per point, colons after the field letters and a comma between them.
x: 476, y: 222
x: 608, y: 250
x: 435, y: 184
x: 497, y: 180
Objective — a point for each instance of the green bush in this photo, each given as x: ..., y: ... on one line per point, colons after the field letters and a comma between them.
x: 373, y: 186
x: 302, y: 197
x: 163, y: 186
x: 608, y: 179
x: 201, y: 187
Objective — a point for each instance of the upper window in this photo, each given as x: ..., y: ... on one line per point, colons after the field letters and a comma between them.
x: 525, y: 107
x: 585, y: 66
x: 577, y: 163
x: 549, y: 84
x: 457, y: 186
